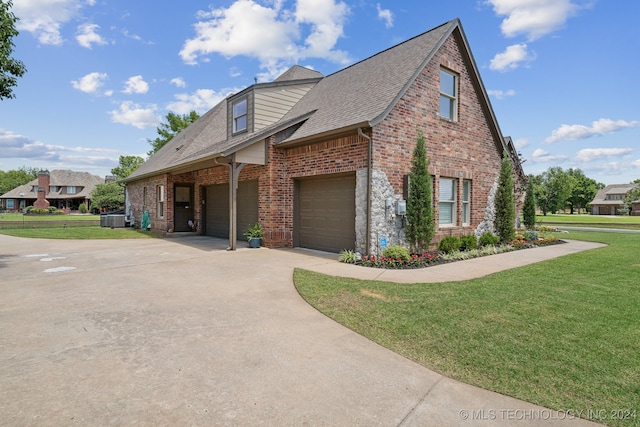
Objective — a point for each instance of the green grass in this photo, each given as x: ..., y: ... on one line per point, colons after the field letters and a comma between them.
x: 92, y: 232
x: 21, y: 217
x: 564, y: 333
x: 590, y: 220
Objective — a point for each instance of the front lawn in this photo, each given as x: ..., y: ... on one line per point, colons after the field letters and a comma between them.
x: 21, y: 217
x: 632, y: 222
x: 562, y: 333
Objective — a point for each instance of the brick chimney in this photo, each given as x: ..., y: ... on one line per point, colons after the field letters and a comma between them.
x: 44, y: 179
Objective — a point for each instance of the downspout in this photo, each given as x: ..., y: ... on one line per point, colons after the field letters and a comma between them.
x: 369, y: 166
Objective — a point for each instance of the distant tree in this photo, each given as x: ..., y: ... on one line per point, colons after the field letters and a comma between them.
x: 541, y: 193
x: 15, y: 178
x: 632, y: 196
x: 505, y: 202
x: 126, y: 166
x: 166, y: 131
x: 107, y: 196
x: 583, y: 190
x: 420, y: 225
x: 529, y: 209
x: 10, y: 69
x: 556, y: 190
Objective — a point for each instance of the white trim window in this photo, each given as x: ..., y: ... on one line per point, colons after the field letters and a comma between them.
x: 447, y: 201
x: 466, y: 202
x: 71, y: 189
x: 160, y: 201
x: 448, y: 95
x: 240, y: 116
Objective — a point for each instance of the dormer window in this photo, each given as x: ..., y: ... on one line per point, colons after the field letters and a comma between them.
x: 240, y: 116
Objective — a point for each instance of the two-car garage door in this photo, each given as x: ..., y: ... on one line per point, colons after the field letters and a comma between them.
x: 324, y: 212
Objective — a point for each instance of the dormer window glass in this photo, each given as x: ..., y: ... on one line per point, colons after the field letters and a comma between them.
x: 240, y: 116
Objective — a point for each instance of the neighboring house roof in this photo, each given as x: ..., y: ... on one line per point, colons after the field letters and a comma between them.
x: 84, y: 181
x: 619, y: 189
x: 360, y: 95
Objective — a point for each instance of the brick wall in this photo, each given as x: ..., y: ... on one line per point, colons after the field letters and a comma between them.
x: 461, y: 149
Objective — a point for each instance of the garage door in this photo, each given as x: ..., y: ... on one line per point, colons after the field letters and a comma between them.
x: 217, y: 208
x: 325, y: 213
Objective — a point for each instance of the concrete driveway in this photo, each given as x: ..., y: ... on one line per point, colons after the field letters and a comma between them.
x: 182, y: 332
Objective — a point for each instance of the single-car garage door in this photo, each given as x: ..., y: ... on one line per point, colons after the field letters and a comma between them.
x: 217, y: 208
x: 326, y: 213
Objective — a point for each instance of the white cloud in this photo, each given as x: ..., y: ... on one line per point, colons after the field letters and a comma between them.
x: 270, y: 34
x: 45, y: 18
x: 541, y: 156
x: 501, y: 94
x: 599, y: 127
x: 18, y: 146
x: 533, y: 18
x: 511, y: 58
x: 385, y: 15
x: 133, y: 114
x: 201, y: 101
x: 521, y: 143
x: 90, y: 83
x: 591, y: 154
x: 178, y: 82
x: 636, y: 163
x: 87, y: 35
x: 136, y: 84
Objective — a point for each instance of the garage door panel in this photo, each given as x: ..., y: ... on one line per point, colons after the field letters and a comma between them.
x: 217, y: 208
x: 326, y: 213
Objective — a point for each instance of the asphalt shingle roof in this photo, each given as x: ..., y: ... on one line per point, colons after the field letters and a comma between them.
x: 359, y: 95
x: 59, y: 178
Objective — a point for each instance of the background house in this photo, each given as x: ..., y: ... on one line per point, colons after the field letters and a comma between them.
x: 321, y: 161
x: 62, y: 189
x: 609, y: 200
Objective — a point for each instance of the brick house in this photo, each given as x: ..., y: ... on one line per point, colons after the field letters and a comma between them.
x: 320, y: 161
x: 610, y: 200
x: 63, y: 189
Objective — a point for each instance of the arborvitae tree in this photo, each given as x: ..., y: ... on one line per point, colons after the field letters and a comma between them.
x: 420, y: 227
x: 529, y: 209
x: 505, y: 202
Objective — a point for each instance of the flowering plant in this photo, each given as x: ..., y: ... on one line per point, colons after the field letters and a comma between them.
x: 415, y: 261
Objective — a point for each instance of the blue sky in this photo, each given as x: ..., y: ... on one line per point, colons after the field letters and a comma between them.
x: 102, y: 74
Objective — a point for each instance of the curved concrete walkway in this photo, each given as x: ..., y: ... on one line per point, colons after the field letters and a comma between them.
x: 181, y: 332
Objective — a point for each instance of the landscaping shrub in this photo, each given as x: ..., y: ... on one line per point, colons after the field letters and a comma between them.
x: 468, y: 242
x: 530, y: 235
x: 51, y: 210
x: 348, y: 256
x: 396, y: 251
x: 488, y: 239
x: 449, y: 244
x: 82, y: 208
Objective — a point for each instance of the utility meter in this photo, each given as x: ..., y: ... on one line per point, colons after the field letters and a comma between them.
x: 401, y: 207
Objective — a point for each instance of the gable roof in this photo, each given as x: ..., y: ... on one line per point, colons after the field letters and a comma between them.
x: 601, y: 196
x: 360, y: 95
x: 58, y: 178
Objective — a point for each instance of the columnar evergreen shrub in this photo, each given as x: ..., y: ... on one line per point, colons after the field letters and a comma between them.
x: 529, y: 209
x: 420, y: 226
x: 505, y: 202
